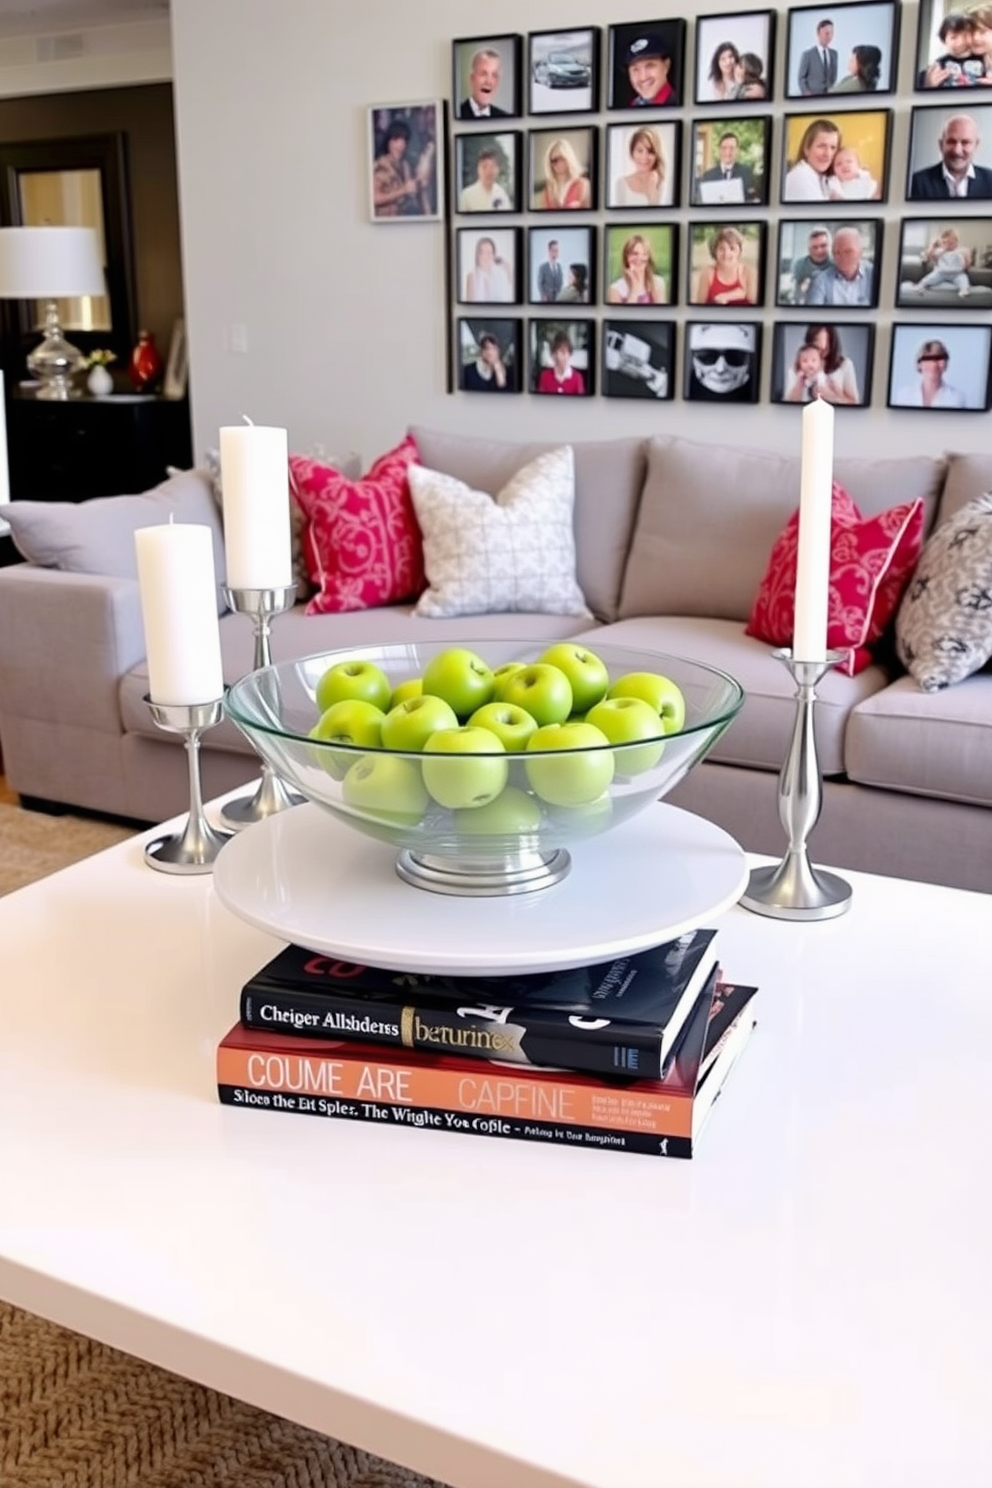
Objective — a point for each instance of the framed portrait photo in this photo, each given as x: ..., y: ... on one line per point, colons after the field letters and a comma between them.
x: 640, y: 261
x: 177, y: 367
x: 730, y: 161
x: 639, y: 359
x: 945, y: 263
x: 941, y: 367
x: 833, y: 263
x: 563, y: 169
x: 950, y: 145
x: 850, y: 50
x: 487, y: 171
x: 642, y: 164
x: 487, y: 265
x: 646, y: 65
x: 563, y: 71
x: 562, y: 357
x: 735, y: 57
x: 726, y: 264
x: 952, y: 50
x: 486, y: 77
x: 813, y: 359
x: 561, y: 265
x: 406, y: 149
x: 722, y: 361
x: 836, y: 159
x: 489, y: 355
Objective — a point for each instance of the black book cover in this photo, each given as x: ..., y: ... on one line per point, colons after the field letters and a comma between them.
x: 614, y: 1017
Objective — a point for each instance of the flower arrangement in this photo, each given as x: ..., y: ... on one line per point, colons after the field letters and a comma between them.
x: 100, y: 358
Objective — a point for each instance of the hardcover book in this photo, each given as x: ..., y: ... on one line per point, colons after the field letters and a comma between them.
x: 620, y: 1016
x: 355, y: 1082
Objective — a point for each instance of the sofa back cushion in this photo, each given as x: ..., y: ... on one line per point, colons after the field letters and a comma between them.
x: 609, y: 476
x: 968, y: 476
x: 710, y: 515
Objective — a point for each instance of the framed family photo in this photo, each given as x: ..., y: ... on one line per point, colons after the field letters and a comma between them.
x: 729, y: 161
x: 563, y: 169
x: 646, y: 64
x: 726, y: 264
x: 640, y: 263
x: 563, y: 71
x: 487, y: 170
x: 953, y: 48
x: 406, y: 148
x: 945, y: 263
x: 489, y: 355
x: 817, y: 360
x: 639, y: 359
x: 950, y: 145
x: 722, y: 361
x: 486, y: 77
x: 849, y: 50
x: 642, y: 164
x: 735, y: 57
x: 836, y: 158
x: 846, y: 251
x: 488, y: 265
x: 561, y: 265
x: 942, y: 367
x: 562, y: 357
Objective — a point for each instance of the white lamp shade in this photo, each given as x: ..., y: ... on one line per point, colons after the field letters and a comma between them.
x: 47, y: 263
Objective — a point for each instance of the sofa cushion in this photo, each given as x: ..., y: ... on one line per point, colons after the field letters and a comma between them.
x: 710, y: 514
x: 944, y: 624
x: 97, y: 536
x: 512, y: 553
x: 362, y: 541
x: 609, y: 475
x: 871, y: 560
x: 927, y: 744
x: 968, y: 476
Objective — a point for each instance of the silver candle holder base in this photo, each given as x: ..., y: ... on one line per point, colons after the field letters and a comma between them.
x: 272, y: 793
x: 794, y: 889
x: 195, y: 848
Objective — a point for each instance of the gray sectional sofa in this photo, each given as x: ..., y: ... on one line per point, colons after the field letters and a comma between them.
x: 672, y: 540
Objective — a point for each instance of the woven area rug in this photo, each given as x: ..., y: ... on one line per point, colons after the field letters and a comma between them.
x: 33, y: 845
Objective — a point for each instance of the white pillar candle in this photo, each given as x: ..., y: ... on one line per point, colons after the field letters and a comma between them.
x: 809, y: 639
x: 179, y: 608
x: 254, y: 476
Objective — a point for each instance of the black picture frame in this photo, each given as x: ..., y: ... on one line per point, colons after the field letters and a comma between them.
x: 471, y: 187
x: 634, y: 41
x: 620, y: 241
x: 930, y: 140
x: 800, y: 262
x: 639, y: 359
x: 969, y: 349
x: 922, y: 254
x: 869, y: 28
x: 704, y: 243
x: 578, y: 192
x: 506, y: 99
x: 722, y: 361
x: 865, y: 132
x: 487, y: 278
x: 957, y: 70
x: 471, y: 334
x: 581, y: 333
x: 576, y: 252
x: 563, y: 71
x: 847, y: 352
x: 750, y: 34
x: 664, y: 138
x: 740, y: 145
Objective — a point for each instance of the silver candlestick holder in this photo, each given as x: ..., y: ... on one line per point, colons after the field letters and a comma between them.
x: 794, y: 889
x: 195, y: 848
x: 272, y: 793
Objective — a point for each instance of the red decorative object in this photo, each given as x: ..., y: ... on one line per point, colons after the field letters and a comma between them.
x: 362, y: 543
x: 145, y: 369
x: 871, y: 562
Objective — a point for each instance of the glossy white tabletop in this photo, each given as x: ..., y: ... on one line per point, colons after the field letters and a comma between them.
x: 806, y: 1304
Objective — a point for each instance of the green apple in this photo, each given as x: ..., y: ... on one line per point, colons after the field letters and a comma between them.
x: 353, y: 679
x: 508, y: 722
x: 351, y: 721
x: 514, y: 813
x: 501, y: 673
x: 387, y: 787
x: 625, y: 720
x: 542, y: 691
x: 464, y: 767
x: 585, y: 671
x: 661, y: 692
x: 461, y: 678
x: 576, y: 776
x: 410, y: 724
x: 587, y: 820
x: 412, y: 687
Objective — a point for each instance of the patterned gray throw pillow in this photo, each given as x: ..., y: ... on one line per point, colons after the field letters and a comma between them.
x: 944, y: 624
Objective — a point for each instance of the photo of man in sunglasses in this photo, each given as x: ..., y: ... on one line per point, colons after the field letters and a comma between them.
x: 722, y: 364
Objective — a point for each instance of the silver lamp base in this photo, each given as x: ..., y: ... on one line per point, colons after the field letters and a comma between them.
x: 55, y: 360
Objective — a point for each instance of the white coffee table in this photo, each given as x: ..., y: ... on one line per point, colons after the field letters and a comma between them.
x: 806, y: 1304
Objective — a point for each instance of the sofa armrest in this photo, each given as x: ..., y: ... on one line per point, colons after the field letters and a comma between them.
x: 66, y: 640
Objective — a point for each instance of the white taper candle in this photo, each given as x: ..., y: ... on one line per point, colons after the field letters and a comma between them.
x: 809, y: 639
x: 179, y: 608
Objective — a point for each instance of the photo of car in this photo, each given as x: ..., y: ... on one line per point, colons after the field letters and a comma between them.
x: 562, y: 70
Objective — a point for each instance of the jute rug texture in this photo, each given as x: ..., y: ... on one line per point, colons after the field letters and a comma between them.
x: 76, y: 1414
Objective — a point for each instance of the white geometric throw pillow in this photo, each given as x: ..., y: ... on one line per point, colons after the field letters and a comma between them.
x: 944, y: 623
x: 515, y: 552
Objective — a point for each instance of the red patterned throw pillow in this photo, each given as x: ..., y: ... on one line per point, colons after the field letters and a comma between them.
x: 871, y: 562
x: 361, y: 541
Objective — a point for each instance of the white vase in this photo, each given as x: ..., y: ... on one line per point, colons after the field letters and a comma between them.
x: 99, y: 381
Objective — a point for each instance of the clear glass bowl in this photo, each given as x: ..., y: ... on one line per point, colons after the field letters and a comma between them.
x: 454, y: 850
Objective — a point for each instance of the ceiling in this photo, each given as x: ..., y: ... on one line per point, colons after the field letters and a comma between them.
x: 21, y: 17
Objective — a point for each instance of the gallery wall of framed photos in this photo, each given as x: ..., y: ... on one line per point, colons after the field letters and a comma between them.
x: 726, y: 209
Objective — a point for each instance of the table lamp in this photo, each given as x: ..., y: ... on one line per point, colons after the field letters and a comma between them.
x: 46, y: 263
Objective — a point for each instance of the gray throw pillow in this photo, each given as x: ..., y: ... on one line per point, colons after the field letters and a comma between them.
x: 944, y: 623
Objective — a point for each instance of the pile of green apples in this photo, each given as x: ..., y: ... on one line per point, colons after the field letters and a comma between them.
x: 467, y: 721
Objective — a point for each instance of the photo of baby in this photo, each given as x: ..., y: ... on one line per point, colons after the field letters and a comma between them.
x: 946, y: 262
x: 836, y: 159
x: 832, y: 362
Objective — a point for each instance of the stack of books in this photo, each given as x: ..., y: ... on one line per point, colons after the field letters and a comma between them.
x: 628, y: 1054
